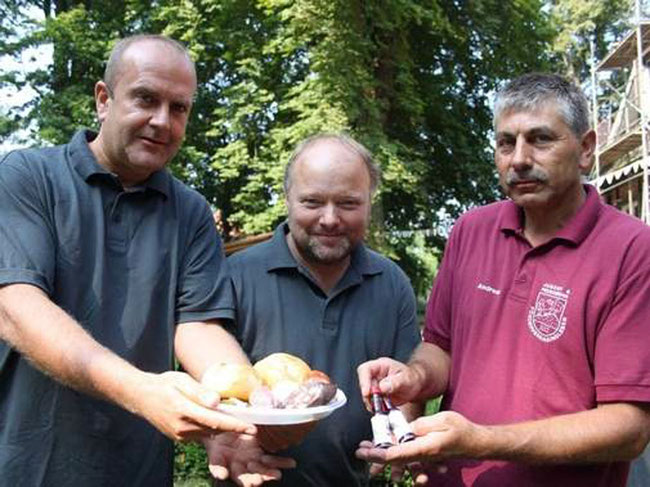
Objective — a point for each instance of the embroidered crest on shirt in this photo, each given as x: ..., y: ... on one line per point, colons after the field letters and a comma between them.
x: 546, y: 318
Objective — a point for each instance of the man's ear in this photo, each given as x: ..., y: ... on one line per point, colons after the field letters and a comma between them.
x: 587, y: 150
x: 102, y: 100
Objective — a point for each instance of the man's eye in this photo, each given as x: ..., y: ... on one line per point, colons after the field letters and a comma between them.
x: 179, y: 108
x: 505, y: 144
x: 311, y: 203
x: 542, y: 139
x: 145, y: 99
x: 349, y: 205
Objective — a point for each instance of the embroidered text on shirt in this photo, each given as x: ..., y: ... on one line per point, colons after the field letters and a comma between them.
x: 489, y: 289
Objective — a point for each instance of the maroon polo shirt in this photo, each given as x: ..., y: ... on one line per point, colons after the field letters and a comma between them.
x: 537, y: 332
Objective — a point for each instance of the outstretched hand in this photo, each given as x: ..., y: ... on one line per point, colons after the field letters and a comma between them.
x: 182, y: 409
x: 438, y: 437
x: 240, y: 458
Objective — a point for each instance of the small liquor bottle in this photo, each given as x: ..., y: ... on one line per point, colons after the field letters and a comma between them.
x: 381, y: 436
x: 399, y: 425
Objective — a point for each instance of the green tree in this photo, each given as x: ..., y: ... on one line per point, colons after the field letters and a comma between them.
x: 579, y: 22
x: 411, y: 79
x: 79, y: 37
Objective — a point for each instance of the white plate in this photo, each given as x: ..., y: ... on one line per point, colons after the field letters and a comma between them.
x: 284, y: 416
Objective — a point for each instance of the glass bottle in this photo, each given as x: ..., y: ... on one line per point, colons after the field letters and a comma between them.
x: 381, y: 435
x: 398, y: 423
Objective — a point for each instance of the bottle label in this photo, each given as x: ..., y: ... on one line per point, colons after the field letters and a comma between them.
x: 400, y: 426
x: 381, y: 436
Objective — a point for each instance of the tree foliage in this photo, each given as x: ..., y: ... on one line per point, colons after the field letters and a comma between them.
x: 411, y: 79
x: 581, y: 22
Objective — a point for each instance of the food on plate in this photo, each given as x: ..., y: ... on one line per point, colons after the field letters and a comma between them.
x: 319, y: 376
x: 232, y: 380
x: 308, y: 394
x: 281, y: 366
x: 280, y: 381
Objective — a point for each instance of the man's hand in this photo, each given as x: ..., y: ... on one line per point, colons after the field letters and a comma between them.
x: 182, y: 409
x: 240, y: 458
x: 274, y: 438
x: 396, y: 469
x: 395, y: 379
x: 438, y: 437
x: 173, y: 402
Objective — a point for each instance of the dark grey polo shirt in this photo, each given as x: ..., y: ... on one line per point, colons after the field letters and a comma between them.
x: 128, y: 266
x: 370, y: 313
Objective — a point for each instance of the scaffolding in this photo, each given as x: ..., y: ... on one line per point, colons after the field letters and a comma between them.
x: 621, y: 161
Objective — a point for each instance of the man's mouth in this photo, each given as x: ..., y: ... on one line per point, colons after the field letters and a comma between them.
x: 151, y: 141
x: 525, y: 185
x: 525, y: 182
x: 328, y: 237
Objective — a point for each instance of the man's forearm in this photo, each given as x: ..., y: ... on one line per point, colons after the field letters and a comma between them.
x: 611, y: 432
x: 57, y: 345
x: 198, y: 345
x: 430, y: 364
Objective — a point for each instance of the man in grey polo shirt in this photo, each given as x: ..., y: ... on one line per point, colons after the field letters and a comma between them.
x: 109, y: 266
x: 316, y: 291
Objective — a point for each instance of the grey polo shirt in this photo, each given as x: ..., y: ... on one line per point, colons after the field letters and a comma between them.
x: 128, y: 266
x: 370, y: 313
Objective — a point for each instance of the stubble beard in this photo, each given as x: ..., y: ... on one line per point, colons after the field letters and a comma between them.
x: 314, y: 252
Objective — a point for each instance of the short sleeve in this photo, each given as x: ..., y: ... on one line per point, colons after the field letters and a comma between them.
x: 408, y: 334
x: 622, y: 354
x: 27, y: 244
x: 437, y: 321
x: 204, y: 291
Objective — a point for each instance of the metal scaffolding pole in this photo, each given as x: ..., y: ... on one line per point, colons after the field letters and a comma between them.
x: 594, y: 109
x: 642, y: 80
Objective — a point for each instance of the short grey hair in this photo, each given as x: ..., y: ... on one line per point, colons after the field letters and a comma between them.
x: 530, y: 91
x: 114, y: 64
x: 374, y: 171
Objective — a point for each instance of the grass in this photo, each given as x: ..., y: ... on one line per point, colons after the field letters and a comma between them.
x: 192, y: 483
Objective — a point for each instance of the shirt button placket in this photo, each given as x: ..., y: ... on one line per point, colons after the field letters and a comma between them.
x: 116, y: 230
x: 522, y: 280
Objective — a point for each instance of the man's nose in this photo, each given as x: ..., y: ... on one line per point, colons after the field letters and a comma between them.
x: 329, y: 215
x: 160, y: 117
x: 522, y: 155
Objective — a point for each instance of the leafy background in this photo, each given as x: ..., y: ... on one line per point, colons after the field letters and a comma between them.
x: 411, y: 79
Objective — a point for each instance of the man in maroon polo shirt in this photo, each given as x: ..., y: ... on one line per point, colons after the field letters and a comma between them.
x: 537, y: 326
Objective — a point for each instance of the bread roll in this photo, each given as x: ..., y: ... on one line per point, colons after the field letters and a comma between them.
x: 231, y: 380
x: 319, y: 376
x: 281, y: 366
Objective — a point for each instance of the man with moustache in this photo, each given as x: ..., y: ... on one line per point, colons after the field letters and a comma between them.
x: 109, y: 266
x: 316, y: 291
x: 536, y: 328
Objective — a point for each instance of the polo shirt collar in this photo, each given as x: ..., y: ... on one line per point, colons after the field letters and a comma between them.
x: 84, y: 162
x: 575, y: 231
x: 280, y: 256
